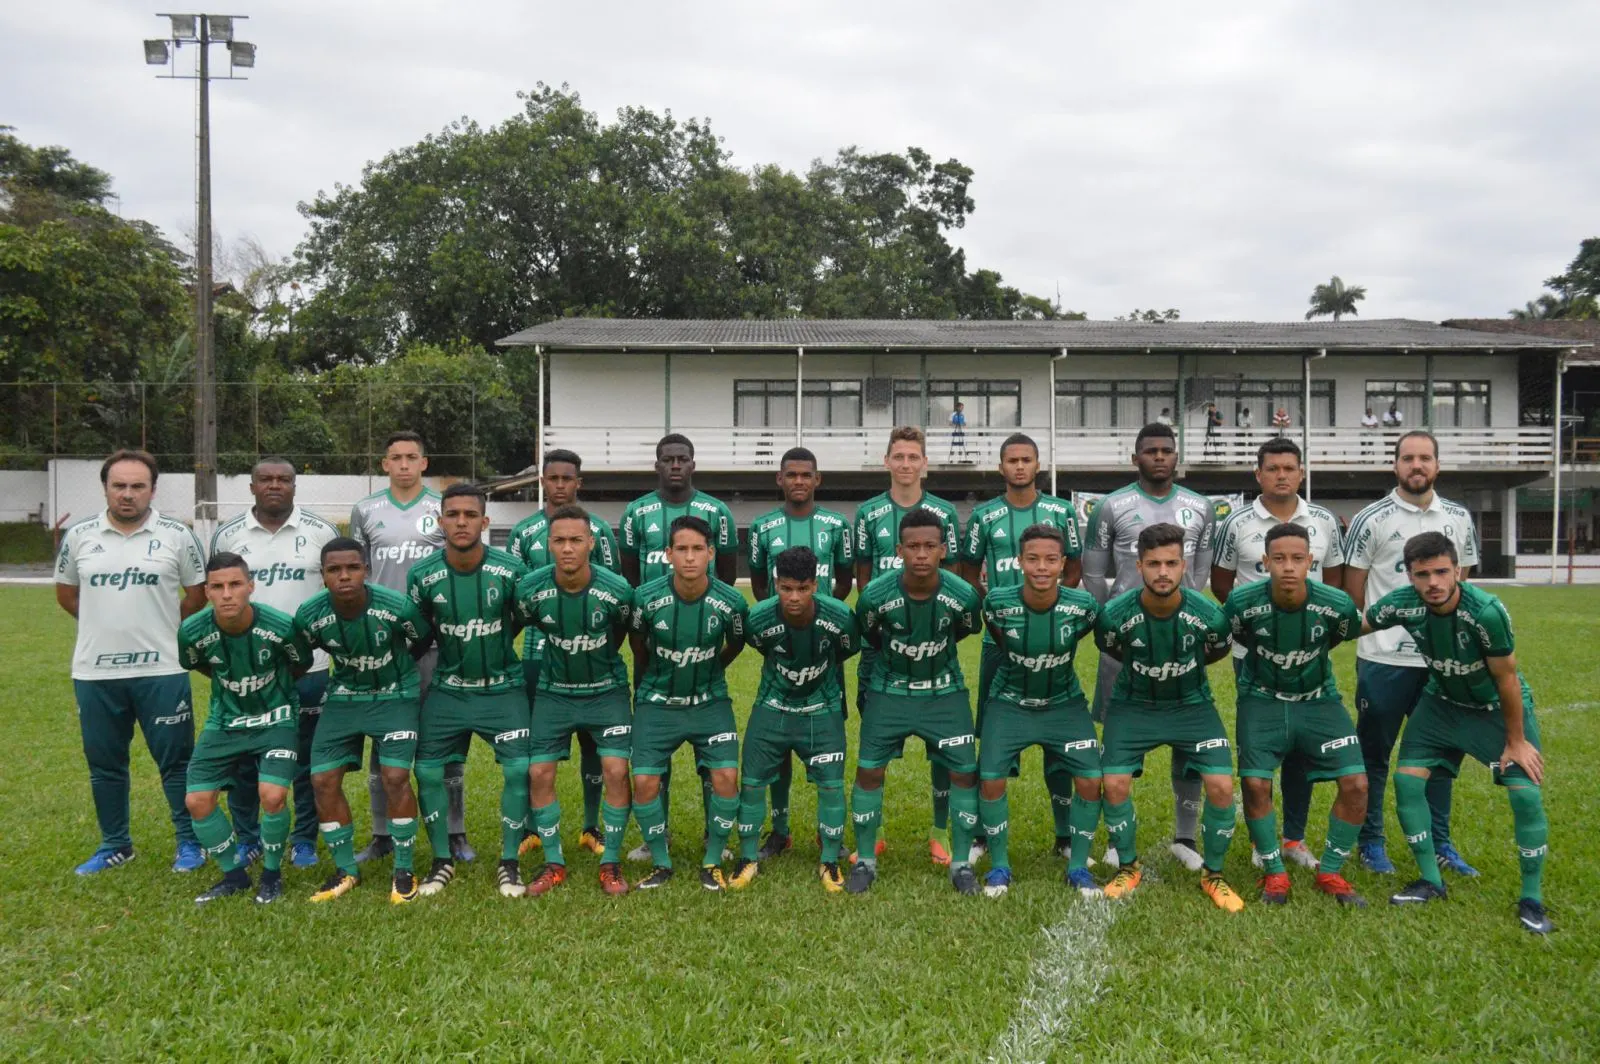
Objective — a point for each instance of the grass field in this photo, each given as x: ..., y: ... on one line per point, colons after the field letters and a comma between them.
x: 124, y: 966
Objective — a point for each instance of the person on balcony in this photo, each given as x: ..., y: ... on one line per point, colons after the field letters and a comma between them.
x: 1369, y: 425
x: 1243, y: 418
x: 1165, y: 417
x: 1392, y: 418
x: 1213, y: 431
x: 1281, y: 422
x: 958, y: 430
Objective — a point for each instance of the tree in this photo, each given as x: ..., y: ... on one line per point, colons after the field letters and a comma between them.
x: 1336, y: 299
x: 1151, y: 315
x: 1575, y: 292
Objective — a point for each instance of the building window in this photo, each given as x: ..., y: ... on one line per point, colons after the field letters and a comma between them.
x: 770, y: 404
x: 1456, y: 404
x: 1113, y: 404
x: 1263, y: 398
x: 986, y: 404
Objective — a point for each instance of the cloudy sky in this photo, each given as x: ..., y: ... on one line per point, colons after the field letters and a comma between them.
x: 1139, y: 154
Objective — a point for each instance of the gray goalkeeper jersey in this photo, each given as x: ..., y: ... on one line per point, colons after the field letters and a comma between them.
x: 1111, y: 545
x: 397, y: 535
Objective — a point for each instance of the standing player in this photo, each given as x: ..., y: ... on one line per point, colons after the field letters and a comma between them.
x: 282, y: 544
x: 252, y: 655
x: 467, y: 593
x: 562, y: 475
x: 1111, y: 568
x: 915, y: 617
x: 1240, y: 541
x: 799, y: 708
x: 1165, y: 634
x: 799, y: 522
x: 687, y: 627
x: 1035, y: 700
x: 1390, y: 672
x: 1475, y: 702
x: 373, y: 634
x: 583, y: 611
x: 877, y: 552
x: 129, y: 575
x: 1289, y: 704
x: 399, y: 526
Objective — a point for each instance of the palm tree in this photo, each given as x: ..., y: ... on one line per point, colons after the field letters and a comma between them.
x: 1335, y: 298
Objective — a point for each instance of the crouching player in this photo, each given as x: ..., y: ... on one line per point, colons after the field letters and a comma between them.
x: 1475, y: 702
x: 799, y: 708
x: 1035, y: 700
x: 1289, y: 706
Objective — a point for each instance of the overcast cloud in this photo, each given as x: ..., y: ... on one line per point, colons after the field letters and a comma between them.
x: 1143, y: 154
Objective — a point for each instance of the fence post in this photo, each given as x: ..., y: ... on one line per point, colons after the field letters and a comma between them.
x: 473, y: 393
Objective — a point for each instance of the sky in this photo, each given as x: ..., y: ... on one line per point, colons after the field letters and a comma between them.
x: 1126, y: 155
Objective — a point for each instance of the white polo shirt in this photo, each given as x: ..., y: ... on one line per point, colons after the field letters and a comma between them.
x: 1377, y: 542
x: 286, y: 564
x: 129, y: 585
x: 1241, y: 543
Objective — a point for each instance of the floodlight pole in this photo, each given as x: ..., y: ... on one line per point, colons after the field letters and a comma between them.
x: 205, y: 354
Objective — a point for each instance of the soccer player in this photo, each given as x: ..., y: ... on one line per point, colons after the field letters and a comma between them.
x: 799, y: 707
x: 283, y: 544
x: 399, y: 526
x: 583, y: 611
x: 1289, y: 704
x: 1035, y: 700
x: 687, y: 627
x: 877, y: 552
x: 373, y: 635
x: 799, y: 522
x: 1475, y: 702
x: 914, y: 617
x: 1240, y: 542
x: 562, y: 475
x: 467, y: 593
x: 252, y: 655
x: 128, y: 575
x: 990, y: 560
x: 1165, y: 634
x: 1111, y: 568
x: 1390, y: 671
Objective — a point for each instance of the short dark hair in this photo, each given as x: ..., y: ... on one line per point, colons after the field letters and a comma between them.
x: 1016, y: 438
x: 226, y: 559
x: 1287, y: 530
x: 1412, y: 434
x: 1160, y: 534
x: 798, y: 454
x: 1042, y: 531
x: 273, y: 459
x: 674, y: 437
x: 796, y: 563
x: 463, y: 489
x: 343, y: 543
x: 1278, y: 445
x: 1425, y: 545
x: 1154, y: 430
x: 920, y: 517
x: 570, y: 512
x: 128, y: 454
x: 404, y: 436
x: 693, y: 524
x: 561, y: 454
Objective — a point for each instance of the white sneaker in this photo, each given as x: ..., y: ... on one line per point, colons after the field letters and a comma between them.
x: 1187, y: 856
x: 1255, y: 857
x: 639, y: 854
x: 1299, y: 853
x: 1110, y: 858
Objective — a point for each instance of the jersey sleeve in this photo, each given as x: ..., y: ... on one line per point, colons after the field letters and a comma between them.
x: 414, y: 592
x: 67, y: 561
x: 859, y: 534
x: 867, y: 617
x: 516, y: 544
x: 1334, y: 554
x: 758, y: 551
x: 1218, y: 633
x: 1097, y: 551
x: 1069, y: 531
x: 739, y: 623
x: 188, y: 654
x: 844, y: 548
x: 1232, y: 613
x: 358, y: 528
x: 1348, y: 624
x: 970, y: 619
x: 627, y: 606
x: 296, y: 647
x: 628, y: 541
x: 1205, y: 546
x: 605, y: 547
x: 1470, y: 554
x: 1226, y: 554
x: 1385, y: 613
x: 192, y: 562
x: 952, y: 535
x: 1360, y: 545
x: 1494, y: 630
x: 727, y: 531
x: 972, y: 542
x: 849, y: 636
x: 1105, y: 633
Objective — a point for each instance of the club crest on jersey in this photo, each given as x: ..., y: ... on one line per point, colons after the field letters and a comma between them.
x: 428, y: 525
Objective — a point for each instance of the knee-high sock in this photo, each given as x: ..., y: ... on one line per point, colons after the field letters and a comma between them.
x: 614, y: 821
x: 1341, y: 842
x: 866, y: 811
x: 547, y: 822
x: 1188, y: 796
x: 455, y: 788
x: 274, y: 830
x: 752, y: 811
x: 1295, y: 790
x: 653, y: 826
x: 1533, y: 834
x: 939, y: 777
x: 780, y: 797
x: 513, y: 807
x: 706, y: 794
x: 963, y: 823
x: 216, y: 837
x: 1264, y: 836
x: 593, y: 780
x: 830, y: 819
x: 431, y: 799
x: 1216, y: 834
x: 1441, y: 789
x: 723, y: 815
x: 404, y: 831
x: 1058, y: 781
x: 666, y: 798
x: 377, y: 797
x: 1122, y: 830
x: 1083, y: 820
x: 340, y: 840
x: 1411, y: 804
x: 996, y: 815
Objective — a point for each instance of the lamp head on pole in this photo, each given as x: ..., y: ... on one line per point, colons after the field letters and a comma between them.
x: 156, y: 53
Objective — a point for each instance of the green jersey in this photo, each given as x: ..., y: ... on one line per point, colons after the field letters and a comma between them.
x: 800, y: 673
x: 647, y: 524
x: 1163, y: 658
x: 825, y: 532
x: 994, y: 533
x: 371, y: 651
x: 474, y: 617
x: 252, y: 673
x: 916, y: 638
x: 1038, y: 645
x: 878, y: 531
x: 1288, y: 652
x: 1457, y: 645
x: 684, y: 639
x: 582, y: 630
x: 529, y: 544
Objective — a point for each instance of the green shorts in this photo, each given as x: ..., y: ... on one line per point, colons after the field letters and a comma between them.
x: 1065, y: 731
x: 943, y: 722
x: 1195, y: 733
x: 605, y: 716
x: 1320, y: 731
x: 217, y: 751
x: 392, y: 723
x: 1440, y: 733
x: 771, y: 734
x: 658, y: 731
x: 450, y: 719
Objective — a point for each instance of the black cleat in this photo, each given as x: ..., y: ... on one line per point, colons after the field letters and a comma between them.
x: 235, y: 882
x: 404, y: 887
x: 270, y: 889
x: 380, y: 847
x: 711, y: 877
x: 438, y: 877
x: 965, y: 880
x: 508, y: 879
x: 1419, y: 892
x: 1534, y: 919
x: 658, y: 877
x: 861, y: 876
x: 774, y: 844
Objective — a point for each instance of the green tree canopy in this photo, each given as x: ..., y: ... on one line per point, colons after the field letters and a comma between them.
x: 1575, y: 292
x: 1335, y: 299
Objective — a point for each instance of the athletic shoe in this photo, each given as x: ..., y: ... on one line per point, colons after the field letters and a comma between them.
x: 338, y: 885
x: 1255, y: 858
x: 965, y: 880
x: 1111, y: 858
x: 593, y: 841
x: 744, y: 874
x: 1333, y: 884
x: 103, y: 859
x: 711, y: 877
x: 461, y: 849
x: 1296, y: 852
x: 190, y: 858
x: 832, y: 878
x: 774, y: 844
x: 270, y: 889
x: 1187, y: 855
x: 1420, y: 892
x: 438, y: 877
x: 249, y: 855
x: 1217, y: 890
x: 1123, y: 883
x: 640, y: 853
x: 404, y: 888
x: 938, y: 852
x: 549, y: 878
x: 980, y: 846
x: 658, y: 877
x: 1084, y: 881
x: 1275, y: 888
x: 529, y: 844
x: 611, y: 880
x: 380, y: 847
x: 508, y: 879
x: 303, y: 854
x: 235, y: 882
x: 1533, y: 917
x: 997, y: 883
x: 861, y: 877
x: 1451, y: 861
x: 1375, y: 859
x: 877, y: 851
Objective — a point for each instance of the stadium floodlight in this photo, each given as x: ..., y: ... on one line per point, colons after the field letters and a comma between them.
x: 219, y: 27
x: 242, y: 53
x: 183, y: 27
x: 156, y: 53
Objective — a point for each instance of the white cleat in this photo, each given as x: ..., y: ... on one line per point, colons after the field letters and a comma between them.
x: 1255, y: 857
x: 1110, y: 858
x: 1187, y: 856
x: 1297, y: 852
x: 639, y: 854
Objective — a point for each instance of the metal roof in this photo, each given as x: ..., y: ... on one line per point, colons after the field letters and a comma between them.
x: 784, y: 335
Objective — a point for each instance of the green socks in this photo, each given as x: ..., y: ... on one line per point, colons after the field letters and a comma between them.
x: 830, y: 820
x: 1083, y: 820
x: 434, y: 802
x: 403, y: 832
x: 963, y: 822
x: 940, y: 778
x: 1062, y: 795
x: 340, y: 839
x: 547, y: 822
x: 752, y: 810
x: 1216, y: 834
x: 1121, y: 828
x: 780, y: 797
x: 1264, y: 836
x: 1341, y: 844
x: 513, y: 808
x: 274, y: 830
x: 1411, y: 803
x: 215, y: 835
x: 1533, y: 833
x: 995, y: 814
x: 724, y: 813
x: 652, y: 818
x: 593, y: 785
x: 614, y: 824
x: 866, y: 810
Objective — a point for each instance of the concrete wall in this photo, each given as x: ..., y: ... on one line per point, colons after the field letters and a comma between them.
x: 23, y: 495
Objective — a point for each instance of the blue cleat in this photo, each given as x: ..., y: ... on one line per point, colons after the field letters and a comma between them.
x: 104, y: 858
x: 1375, y: 859
x: 1084, y: 881
x: 304, y: 854
x: 249, y: 855
x: 191, y: 858
x: 997, y: 882
x: 1451, y: 861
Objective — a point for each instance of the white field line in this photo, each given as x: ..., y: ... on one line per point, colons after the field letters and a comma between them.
x: 1066, y: 978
